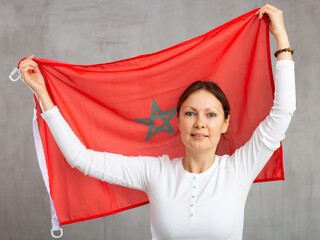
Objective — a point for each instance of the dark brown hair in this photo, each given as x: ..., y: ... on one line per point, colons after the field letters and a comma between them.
x: 210, y: 87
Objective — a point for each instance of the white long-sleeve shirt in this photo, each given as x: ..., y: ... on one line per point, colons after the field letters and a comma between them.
x: 185, y: 205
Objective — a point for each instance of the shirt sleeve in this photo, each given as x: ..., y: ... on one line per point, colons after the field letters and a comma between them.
x: 248, y: 160
x: 129, y: 171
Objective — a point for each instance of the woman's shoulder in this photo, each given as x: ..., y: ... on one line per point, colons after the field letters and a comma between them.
x: 166, y: 159
x: 171, y: 164
x: 223, y: 159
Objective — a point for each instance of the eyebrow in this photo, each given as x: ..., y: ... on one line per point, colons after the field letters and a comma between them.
x: 205, y: 109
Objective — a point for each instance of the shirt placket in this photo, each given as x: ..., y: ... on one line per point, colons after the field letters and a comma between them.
x: 193, y: 198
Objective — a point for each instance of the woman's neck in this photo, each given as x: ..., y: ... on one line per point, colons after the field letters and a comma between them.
x: 198, y: 162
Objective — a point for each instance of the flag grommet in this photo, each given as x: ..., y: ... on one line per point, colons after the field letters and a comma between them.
x: 14, y: 72
x: 57, y: 236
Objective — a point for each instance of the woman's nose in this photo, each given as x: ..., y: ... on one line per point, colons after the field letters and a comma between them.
x: 199, y: 123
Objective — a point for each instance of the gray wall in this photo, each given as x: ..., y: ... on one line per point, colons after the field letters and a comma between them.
x: 89, y: 32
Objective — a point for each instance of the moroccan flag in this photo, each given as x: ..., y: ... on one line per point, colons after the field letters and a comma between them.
x: 128, y: 107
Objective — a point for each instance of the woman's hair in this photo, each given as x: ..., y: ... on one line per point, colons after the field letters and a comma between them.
x: 210, y: 87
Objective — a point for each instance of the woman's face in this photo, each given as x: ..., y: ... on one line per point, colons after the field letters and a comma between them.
x: 202, y: 113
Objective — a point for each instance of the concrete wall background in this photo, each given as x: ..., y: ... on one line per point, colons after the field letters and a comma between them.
x: 97, y: 31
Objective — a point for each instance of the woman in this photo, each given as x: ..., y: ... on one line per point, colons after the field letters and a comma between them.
x: 201, y: 195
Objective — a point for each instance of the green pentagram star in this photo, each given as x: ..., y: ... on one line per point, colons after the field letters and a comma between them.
x: 153, y: 129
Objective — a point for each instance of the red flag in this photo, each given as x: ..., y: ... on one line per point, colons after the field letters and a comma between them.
x: 113, y: 107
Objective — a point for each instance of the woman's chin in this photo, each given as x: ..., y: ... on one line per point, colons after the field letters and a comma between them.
x: 199, y: 147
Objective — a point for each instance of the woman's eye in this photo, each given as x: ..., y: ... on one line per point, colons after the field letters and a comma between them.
x: 188, y: 113
x: 191, y: 114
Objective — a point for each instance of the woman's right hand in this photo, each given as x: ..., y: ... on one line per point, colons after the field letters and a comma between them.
x: 32, y: 76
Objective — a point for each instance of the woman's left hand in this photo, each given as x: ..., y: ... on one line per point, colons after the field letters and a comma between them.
x: 276, y: 25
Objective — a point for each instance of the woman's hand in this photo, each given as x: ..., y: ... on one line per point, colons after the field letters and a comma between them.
x: 276, y: 25
x: 32, y: 76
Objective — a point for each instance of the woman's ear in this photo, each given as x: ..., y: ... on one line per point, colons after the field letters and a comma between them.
x: 226, y: 124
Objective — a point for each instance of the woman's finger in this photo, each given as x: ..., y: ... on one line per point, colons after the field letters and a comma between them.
x: 25, y: 66
x: 265, y: 10
x: 33, y: 62
x: 268, y: 9
x: 271, y: 7
x: 28, y: 62
x: 25, y: 72
x: 22, y: 73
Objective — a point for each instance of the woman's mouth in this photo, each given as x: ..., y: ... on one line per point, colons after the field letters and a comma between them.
x: 198, y: 136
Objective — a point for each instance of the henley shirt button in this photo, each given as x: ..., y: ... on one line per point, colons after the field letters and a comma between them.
x: 194, y: 186
x: 191, y: 214
x: 191, y: 204
x: 194, y: 177
x: 193, y: 196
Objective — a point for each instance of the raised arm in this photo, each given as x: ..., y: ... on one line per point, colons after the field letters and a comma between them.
x: 248, y: 161
x: 133, y: 172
